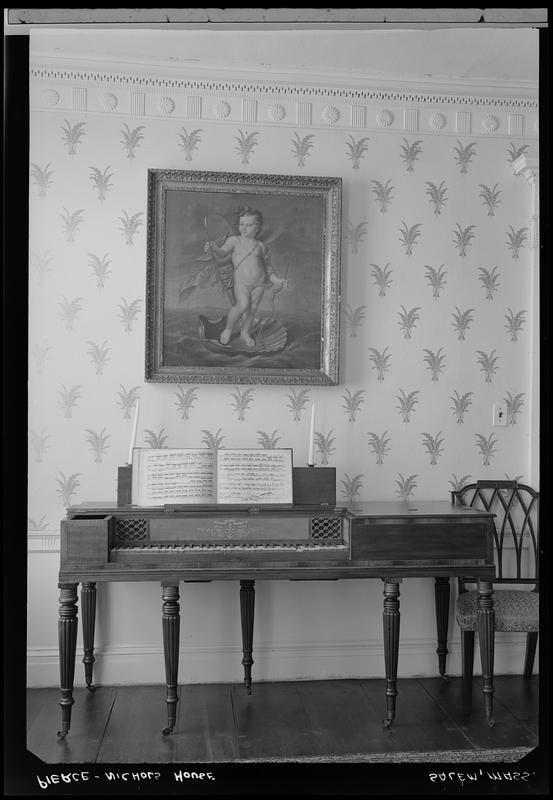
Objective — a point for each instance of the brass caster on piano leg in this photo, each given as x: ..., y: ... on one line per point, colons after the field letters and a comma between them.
x: 62, y: 734
x: 491, y: 722
x: 387, y: 722
x: 90, y: 687
x: 445, y: 677
x: 166, y: 731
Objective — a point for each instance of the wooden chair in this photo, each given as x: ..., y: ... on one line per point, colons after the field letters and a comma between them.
x: 516, y: 549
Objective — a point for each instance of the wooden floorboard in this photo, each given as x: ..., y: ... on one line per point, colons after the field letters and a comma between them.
x: 420, y: 725
x: 90, y: 717
x: 328, y: 719
x: 40, y: 699
x: 507, y: 731
x: 521, y: 697
x: 272, y: 722
x: 342, y: 720
x: 205, y: 730
x: 134, y: 734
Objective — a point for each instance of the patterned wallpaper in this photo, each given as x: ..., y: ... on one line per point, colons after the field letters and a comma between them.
x: 434, y: 308
x: 436, y: 327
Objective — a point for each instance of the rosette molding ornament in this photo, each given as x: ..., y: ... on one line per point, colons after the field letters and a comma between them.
x: 166, y: 105
x: 276, y: 112
x: 221, y: 109
x: 331, y: 115
x: 437, y: 121
x: 384, y: 118
x: 490, y: 123
x: 50, y: 97
x: 109, y: 101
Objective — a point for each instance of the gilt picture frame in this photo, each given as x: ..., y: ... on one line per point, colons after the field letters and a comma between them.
x: 243, y: 278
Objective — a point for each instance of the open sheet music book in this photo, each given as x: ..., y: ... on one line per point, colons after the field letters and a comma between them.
x: 179, y: 476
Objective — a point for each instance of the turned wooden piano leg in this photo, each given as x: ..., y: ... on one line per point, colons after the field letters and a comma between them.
x: 441, y: 596
x: 247, y: 607
x: 171, y: 636
x: 67, y: 640
x: 530, y: 654
x: 467, y: 660
x: 391, y: 620
x: 486, y: 634
x: 88, y: 615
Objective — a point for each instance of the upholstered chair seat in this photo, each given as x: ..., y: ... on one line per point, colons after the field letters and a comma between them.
x: 514, y: 610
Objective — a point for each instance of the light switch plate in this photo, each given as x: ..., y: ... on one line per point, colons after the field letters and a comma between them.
x: 499, y: 413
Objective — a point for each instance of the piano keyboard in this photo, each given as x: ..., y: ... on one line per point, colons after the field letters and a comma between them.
x: 220, y: 548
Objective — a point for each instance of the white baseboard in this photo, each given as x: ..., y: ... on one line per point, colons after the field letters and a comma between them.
x: 281, y: 661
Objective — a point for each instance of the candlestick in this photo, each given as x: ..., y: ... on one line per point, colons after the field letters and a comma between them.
x: 134, y: 429
x: 310, y: 458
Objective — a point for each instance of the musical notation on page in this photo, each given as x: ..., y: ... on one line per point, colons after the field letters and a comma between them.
x: 172, y: 475
x: 254, y: 476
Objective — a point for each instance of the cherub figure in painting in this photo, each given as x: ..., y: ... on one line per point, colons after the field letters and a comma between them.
x: 251, y: 262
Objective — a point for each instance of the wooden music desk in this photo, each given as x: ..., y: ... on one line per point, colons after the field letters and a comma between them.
x: 386, y: 540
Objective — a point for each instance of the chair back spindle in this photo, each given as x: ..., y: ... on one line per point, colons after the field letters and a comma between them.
x: 516, y: 525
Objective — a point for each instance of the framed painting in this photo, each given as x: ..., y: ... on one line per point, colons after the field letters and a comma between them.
x: 243, y: 278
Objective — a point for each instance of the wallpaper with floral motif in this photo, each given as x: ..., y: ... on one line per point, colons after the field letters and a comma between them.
x: 434, y: 310
x: 434, y: 329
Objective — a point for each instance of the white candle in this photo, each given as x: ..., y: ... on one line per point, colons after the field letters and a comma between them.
x: 310, y: 459
x: 134, y: 429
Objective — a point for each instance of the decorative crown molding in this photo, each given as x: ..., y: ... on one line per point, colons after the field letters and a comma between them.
x: 448, y: 94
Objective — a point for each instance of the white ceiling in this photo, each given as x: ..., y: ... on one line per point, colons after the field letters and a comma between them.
x: 471, y: 55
